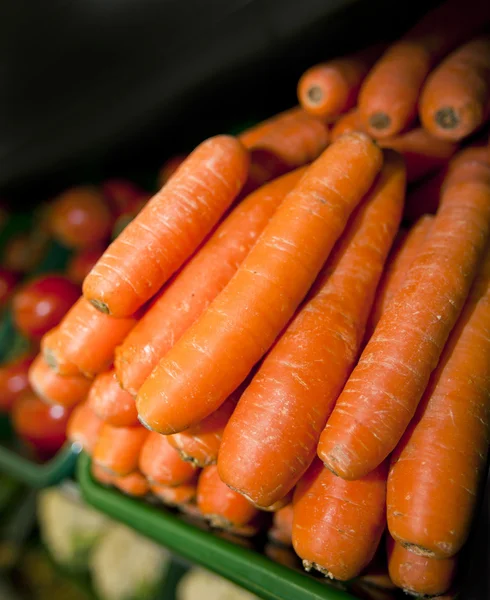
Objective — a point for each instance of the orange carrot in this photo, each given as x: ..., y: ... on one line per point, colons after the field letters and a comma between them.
x: 176, y: 495
x: 133, y: 484
x: 84, y: 341
x: 111, y: 403
x: 54, y: 388
x: 338, y: 524
x: 284, y: 501
x: 440, y: 462
x: 117, y: 449
x: 272, y: 436
x: 403, y: 253
x: 455, y: 100
x: 162, y: 464
x: 329, y: 89
x: 388, y: 98
x: 204, y: 276
x: 347, y: 123
x: 84, y: 427
x: 169, y: 228
x: 101, y: 475
x: 282, y: 526
x: 220, y: 505
x: 419, y: 575
x: 216, y: 353
x: 170, y: 167
x: 382, y: 394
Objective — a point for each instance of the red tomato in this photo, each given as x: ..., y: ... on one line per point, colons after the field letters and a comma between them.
x: 8, y: 281
x: 14, y: 381
x: 80, y: 217
x: 121, y: 195
x: 41, y: 304
x: 23, y: 252
x: 82, y: 263
x: 40, y: 425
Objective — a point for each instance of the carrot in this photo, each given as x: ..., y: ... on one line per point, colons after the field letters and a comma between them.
x: 176, y: 495
x: 419, y: 575
x: 272, y: 436
x: 110, y: 402
x: 282, y: 526
x: 169, y: 228
x: 169, y: 168
x: 204, y: 276
x: 382, y: 394
x: 84, y: 427
x: 101, y: 475
x: 284, y: 501
x: 84, y: 341
x: 388, y: 98
x: 117, y: 449
x: 216, y: 353
x: 440, y: 462
x: 403, y: 253
x: 338, y: 524
x: 347, y: 123
x: 200, y: 444
x: 162, y: 464
x: 330, y: 88
x: 54, y: 388
x: 455, y: 100
x: 220, y: 505
x: 133, y: 484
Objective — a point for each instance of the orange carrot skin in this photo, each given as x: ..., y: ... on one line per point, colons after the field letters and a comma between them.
x: 347, y: 123
x: 177, y: 495
x: 117, y: 449
x: 169, y: 228
x: 455, y: 100
x: 162, y: 464
x: 84, y: 341
x: 383, y: 392
x: 206, y: 274
x: 110, y: 402
x: 338, y: 524
x: 216, y: 354
x: 282, y: 527
x: 134, y: 484
x: 54, y: 388
x: 419, y: 575
x: 440, y: 462
x: 101, y: 475
x: 272, y: 436
x: 84, y: 427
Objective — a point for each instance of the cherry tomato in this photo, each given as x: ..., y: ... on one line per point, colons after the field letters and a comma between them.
x: 82, y: 263
x: 8, y: 281
x: 41, y: 426
x: 169, y: 168
x: 23, y: 252
x: 80, y: 217
x: 41, y: 304
x: 14, y: 381
x: 121, y: 195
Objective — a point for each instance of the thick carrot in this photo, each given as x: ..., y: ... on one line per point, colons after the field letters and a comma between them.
x: 347, y: 123
x: 117, y: 449
x: 330, y: 88
x: 216, y: 353
x: 419, y: 575
x: 455, y: 100
x: 110, y: 402
x: 282, y: 526
x: 338, y: 524
x: 220, y: 505
x: 84, y: 427
x: 199, y: 282
x: 382, y: 394
x: 272, y: 436
x: 177, y: 495
x: 84, y: 341
x: 440, y: 462
x: 133, y: 484
x: 162, y: 464
x: 57, y: 389
x: 169, y: 228
x: 403, y: 253
x: 388, y: 98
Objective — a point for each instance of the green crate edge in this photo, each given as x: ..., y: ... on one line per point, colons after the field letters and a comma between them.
x: 255, y: 572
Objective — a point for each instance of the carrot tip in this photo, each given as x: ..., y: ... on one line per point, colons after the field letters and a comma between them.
x: 188, y: 458
x: 308, y: 566
x: 144, y: 423
x: 50, y: 358
x: 379, y: 120
x: 315, y: 94
x: 99, y: 305
x: 446, y: 118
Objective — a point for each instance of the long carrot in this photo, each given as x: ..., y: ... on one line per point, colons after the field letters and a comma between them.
x: 272, y: 436
x: 402, y: 255
x: 54, y: 388
x: 215, y: 354
x: 282, y: 526
x: 204, y: 276
x: 440, y: 462
x: 338, y: 524
x: 162, y: 464
x: 177, y: 495
x: 347, y: 123
x: 419, y: 575
x: 388, y: 98
x: 169, y: 228
x: 330, y: 88
x: 84, y: 341
x: 382, y: 394
x: 84, y: 427
x: 117, y: 449
x: 455, y: 100
x: 110, y: 402
x: 133, y: 484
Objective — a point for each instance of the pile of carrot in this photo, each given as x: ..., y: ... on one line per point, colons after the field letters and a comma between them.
x: 298, y: 322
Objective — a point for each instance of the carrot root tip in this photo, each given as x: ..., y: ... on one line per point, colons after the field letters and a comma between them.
x: 420, y: 550
x: 50, y: 358
x: 144, y: 423
x: 100, y: 306
x: 379, y: 120
x: 446, y: 118
x: 190, y: 459
x: 309, y: 566
x: 315, y: 94
x: 219, y: 522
